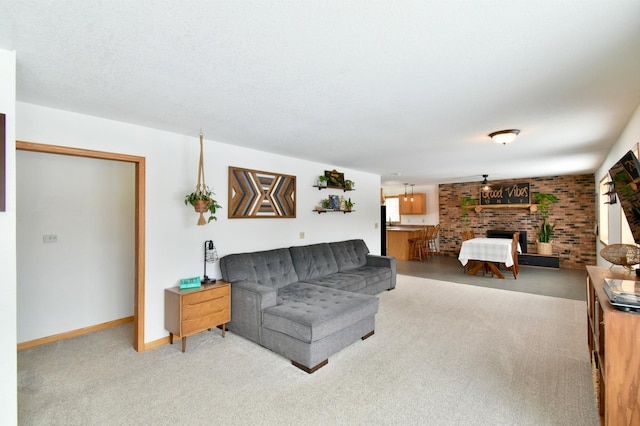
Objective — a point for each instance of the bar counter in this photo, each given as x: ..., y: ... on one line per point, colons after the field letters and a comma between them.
x: 398, y: 240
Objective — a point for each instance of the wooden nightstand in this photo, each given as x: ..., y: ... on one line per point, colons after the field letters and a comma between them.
x: 190, y: 311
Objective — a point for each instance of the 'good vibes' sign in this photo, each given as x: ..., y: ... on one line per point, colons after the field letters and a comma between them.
x: 517, y: 193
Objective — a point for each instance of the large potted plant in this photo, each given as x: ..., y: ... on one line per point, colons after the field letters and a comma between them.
x: 466, y: 204
x: 545, y: 232
x: 202, y: 201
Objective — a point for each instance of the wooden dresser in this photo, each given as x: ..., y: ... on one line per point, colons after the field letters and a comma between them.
x: 190, y: 311
x: 614, y: 343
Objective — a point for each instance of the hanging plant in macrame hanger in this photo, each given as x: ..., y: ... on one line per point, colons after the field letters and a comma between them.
x: 202, y: 198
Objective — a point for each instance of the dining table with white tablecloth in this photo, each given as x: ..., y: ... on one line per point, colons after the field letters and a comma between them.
x: 488, y: 251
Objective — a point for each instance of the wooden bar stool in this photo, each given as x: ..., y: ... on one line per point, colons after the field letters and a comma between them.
x: 432, y: 247
x: 416, y: 246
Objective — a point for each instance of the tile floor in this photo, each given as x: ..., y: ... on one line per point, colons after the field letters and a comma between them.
x: 563, y: 282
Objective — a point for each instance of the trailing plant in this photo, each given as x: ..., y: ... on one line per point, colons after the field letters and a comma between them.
x: 544, y: 202
x: 349, y: 184
x: 466, y: 203
x: 202, y: 198
x: 205, y: 195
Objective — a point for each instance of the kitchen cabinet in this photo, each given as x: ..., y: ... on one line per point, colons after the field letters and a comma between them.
x: 417, y: 206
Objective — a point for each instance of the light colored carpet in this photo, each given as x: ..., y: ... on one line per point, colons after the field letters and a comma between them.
x: 443, y: 354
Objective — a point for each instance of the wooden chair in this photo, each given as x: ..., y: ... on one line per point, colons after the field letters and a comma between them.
x: 468, y: 234
x: 515, y: 268
x: 416, y: 246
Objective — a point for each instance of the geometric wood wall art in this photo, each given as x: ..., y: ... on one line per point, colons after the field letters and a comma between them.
x: 258, y: 194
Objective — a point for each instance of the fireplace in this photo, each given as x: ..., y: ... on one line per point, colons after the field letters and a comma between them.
x: 498, y: 233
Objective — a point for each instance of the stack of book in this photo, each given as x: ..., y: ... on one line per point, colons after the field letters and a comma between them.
x: 623, y: 294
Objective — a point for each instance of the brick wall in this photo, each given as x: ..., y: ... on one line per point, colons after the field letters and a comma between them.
x: 574, y: 215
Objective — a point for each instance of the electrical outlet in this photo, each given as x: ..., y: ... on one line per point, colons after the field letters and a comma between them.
x: 302, y: 235
x: 376, y: 225
x: 50, y: 238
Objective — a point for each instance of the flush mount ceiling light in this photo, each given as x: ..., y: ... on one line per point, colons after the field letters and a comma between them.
x: 485, y: 183
x: 504, y: 136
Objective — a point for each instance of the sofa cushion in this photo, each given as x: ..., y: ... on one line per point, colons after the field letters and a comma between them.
x: 350, y: 254
x: 340, y: 281
x: 313, y: 261
x: 272, y: 268
x: 372, y: 274
x: 309, y: 312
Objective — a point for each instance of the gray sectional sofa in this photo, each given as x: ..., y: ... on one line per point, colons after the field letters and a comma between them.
x: 306, y: 303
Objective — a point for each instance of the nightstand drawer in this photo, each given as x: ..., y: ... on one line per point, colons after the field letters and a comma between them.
x: 207, y: 307
x: 202, y: 323
x: 205, y: 295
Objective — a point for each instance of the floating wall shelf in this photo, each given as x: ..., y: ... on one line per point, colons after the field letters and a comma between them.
x: 332, y: 187
x: 333, y: 211
x: 531, y: 207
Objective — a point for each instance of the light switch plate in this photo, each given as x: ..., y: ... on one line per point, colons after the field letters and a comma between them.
x: 50, y: 238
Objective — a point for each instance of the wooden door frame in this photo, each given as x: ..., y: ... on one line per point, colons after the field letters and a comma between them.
x: 139, y: 162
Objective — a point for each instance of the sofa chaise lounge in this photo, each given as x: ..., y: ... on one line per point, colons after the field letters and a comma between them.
x: 307, y: 303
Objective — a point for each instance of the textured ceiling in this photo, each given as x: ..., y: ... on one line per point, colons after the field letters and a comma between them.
x: 394, y: 86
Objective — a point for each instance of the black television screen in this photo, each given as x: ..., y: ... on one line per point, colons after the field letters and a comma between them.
x: 625, y: 175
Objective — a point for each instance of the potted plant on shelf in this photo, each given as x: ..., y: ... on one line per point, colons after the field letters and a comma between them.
x: 349, y: 205
x: 325, y: 203
x: 322, y: 180
x: 349, y: 184
x: 202, y: 201
x: 546, y: 229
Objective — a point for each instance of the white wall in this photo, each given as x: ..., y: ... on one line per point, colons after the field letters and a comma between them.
x: 627, y: 141
x: 87, y: 276
x: 173, y: 241
x: 8, y: 359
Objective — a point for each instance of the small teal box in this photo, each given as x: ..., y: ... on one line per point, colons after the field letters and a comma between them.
x: 189, y: 283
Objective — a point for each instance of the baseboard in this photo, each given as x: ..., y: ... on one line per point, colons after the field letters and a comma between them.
x: 73, y: 333
x: 157, y: 343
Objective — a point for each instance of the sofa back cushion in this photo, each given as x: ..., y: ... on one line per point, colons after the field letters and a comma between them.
x: 272, y: 268
x: 350, y: 254
x: 313, y: 261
